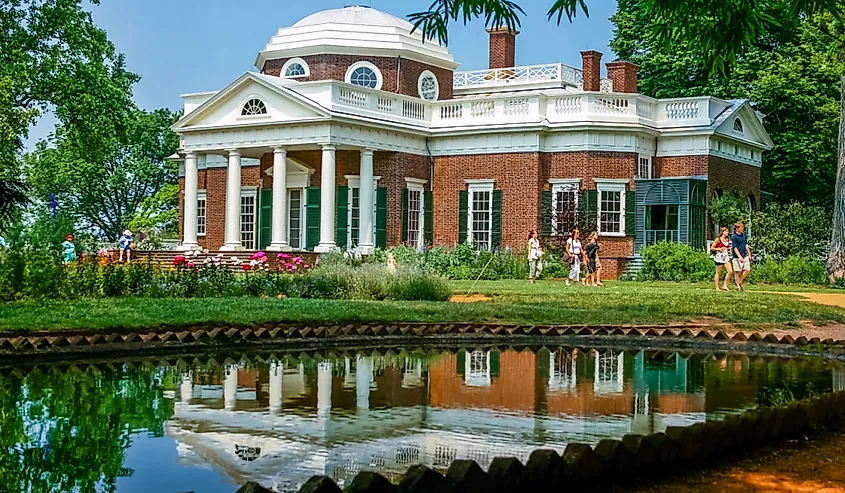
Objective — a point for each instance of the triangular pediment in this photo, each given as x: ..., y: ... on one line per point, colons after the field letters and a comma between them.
x: 753, y: 130
x: 225, y: 108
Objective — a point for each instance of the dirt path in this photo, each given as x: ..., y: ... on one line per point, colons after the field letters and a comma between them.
x: 815, y: 465
x: 830, y: 299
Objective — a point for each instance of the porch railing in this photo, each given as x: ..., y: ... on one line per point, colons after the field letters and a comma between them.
x: 652, y: 236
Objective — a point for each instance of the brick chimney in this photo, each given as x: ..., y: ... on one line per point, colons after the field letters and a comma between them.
x: 623, y: 75
x: 502, y: 47
x: 591, y: 67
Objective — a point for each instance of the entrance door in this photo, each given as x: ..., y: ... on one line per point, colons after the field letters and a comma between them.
x: 296, y: 218
x: 265, y: 218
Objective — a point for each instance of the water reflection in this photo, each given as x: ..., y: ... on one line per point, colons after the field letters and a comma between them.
x: 279, y: 419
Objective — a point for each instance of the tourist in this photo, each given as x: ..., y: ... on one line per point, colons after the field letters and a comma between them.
x: 742, y: 254
x: 593, y: 264
x: 68, y: 249
x: 391, y: 263
x: 721, y: 249
x: 125, y: 245
x: 534, y: 255
x: 573, y: 256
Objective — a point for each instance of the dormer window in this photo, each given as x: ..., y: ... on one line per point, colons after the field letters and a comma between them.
x: 295, y: 68
x: 737, y: 125
x: 364, y: 74
x: 254, y: 107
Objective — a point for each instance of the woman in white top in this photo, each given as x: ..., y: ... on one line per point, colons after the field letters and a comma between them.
x: 573, y: 248
x: 534, y: 254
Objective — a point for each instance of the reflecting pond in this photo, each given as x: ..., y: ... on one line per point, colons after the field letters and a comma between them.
x: 211, y: 425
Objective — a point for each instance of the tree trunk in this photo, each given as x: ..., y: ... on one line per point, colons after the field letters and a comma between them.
x: 836, y: 256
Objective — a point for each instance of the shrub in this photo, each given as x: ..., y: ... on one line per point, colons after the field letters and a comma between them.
x: 780, y: 231
x: 666, y: 261
x: 794, y: 270
x: 417, y: 285
x: 12, y: 268
x: 729, y: 208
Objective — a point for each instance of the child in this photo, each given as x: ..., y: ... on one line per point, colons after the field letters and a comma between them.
x: 125, y: 244
x: 69, y: 249
x: 391, y: 262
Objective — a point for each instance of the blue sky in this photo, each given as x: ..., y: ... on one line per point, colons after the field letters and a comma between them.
x: 180, y: 46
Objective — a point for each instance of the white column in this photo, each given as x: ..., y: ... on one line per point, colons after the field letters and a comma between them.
x: 276, y: 374
x: 327, y: 201
x: 278, y: 239
x: 363, y: 379
x: 186, y: 390
x: 232, y: 236
x: 230, y: 387
x: 189, y: 212
x: 324, y: 389
x: 366, y: 237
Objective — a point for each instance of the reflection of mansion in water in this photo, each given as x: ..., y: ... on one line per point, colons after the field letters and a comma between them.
x: 280, y: 424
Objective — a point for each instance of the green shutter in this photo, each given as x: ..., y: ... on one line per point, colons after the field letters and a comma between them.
x: 463, y: 213
x: 342, y: 204
x: 494, y: 363
x: 381, y: 218
x: 588, y: 220
x: 496, y: 237
x: 405, y: 215
x: 462, y: 359
x: 428, y: 228
x: 543, y: 360
x: 546, y: 213
x: 265, y: 218
x: 631, y: 213
x: 312, y: 217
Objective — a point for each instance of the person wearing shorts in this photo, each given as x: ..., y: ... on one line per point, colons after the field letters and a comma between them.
x: 721, y: 249
x: 742, y: 254
x: 592, y: 250
x: 125, y: 245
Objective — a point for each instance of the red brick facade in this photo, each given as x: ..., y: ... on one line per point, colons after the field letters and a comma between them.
x: 623, y: 75
x: 591, y: 68
x: 502, y: 47
x: 334, y: 67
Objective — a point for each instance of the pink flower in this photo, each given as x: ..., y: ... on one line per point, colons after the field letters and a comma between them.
x: 190, y: 265
x: 305, y: 266
x: 284, y: 255
x: 288, y: 265
x: 293, y: 267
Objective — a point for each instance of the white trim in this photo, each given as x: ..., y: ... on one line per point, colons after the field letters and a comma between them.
x: 415, y: 181
x: 423, y: 75
x: 295, y: 60
x: 302, y: 216
x: 202, y: 194
x: 250, y: 191
x: 611, y: 185
x: 247, y: 99
x: 650, y: 174
x: 562, y: 185
x: 379, y: 78
x: 565, y: 181
x: 354, y: 181
x: 480, y: 185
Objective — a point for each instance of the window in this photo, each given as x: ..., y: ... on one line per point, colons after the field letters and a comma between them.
x: 428, y: 87
x: 477, y: 369
x: 611, y: 195
x: 562, y: 371
x: 254, y: 107
x: 248, y: 219
x: 644, y: 169
x: 609, y: 372
x: 353, y: 224
x: 295, y: 68
x: 564, y: 206
x: 295, y: 228
x: 364, y: 74
x: 201, y: 212
x: 416, y: 212
x: 480, y: 220
x: 737, y: 125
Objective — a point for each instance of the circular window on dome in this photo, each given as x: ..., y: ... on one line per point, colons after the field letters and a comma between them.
x: 295, y: 68
x: 428, y: 87
x: 364, y: 74
x: 254, y: 107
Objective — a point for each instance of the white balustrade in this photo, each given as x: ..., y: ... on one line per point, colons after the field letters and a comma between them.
x: 515, y: 75
x: 414, y: 110
x: 682, y: 110
x: 612, y: 106
x: 385, y: 104
x: 451, y: 111
x: 514, y: 107
x: 353, y: 97
x: 482, y: 109
x: 645, y: 109
x: 567, y: 106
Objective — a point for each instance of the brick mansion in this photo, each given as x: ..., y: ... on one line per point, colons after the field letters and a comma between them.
x: 356, y: 133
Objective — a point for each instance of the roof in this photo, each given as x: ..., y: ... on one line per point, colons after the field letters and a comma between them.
x: 355, y: 15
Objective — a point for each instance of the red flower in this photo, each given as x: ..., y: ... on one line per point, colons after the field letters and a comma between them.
x: 247, y: 267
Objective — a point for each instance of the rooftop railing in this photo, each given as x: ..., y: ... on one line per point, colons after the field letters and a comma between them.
x: 526, y: 75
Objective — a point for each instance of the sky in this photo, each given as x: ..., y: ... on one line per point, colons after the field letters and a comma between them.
x: 182, y: 46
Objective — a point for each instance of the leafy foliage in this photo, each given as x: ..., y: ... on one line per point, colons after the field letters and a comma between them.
x: 666, y: 261
x: 783, y: 230
x: 728, y: 209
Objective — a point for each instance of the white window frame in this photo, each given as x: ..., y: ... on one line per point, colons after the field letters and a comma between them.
x: 202, y: 196
x: 302, y: 217
x: 293, y: 61
x: 562, y: 371
x: 379, y: 77
x: 562, y: 185
x: 738, y: 123
x: 612, y: 185
x: 423, y: 75
x: 354, y: 181
x: 245, y: 193
x: 473, y: 186
x: 477, y: 375
x: 649, y: 166
x: 416, y: 185
x: 609, y: 372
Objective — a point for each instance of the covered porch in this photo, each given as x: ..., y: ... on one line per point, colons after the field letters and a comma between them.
x: 671, y: 209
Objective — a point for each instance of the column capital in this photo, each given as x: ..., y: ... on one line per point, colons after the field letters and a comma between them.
x: 191, y: 155
x: 233, y: 152
x: 279, y: 150
x: 328, y: 147
x: 367, y: 152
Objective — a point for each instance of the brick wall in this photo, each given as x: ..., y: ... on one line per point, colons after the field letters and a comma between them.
x: 502, y: 47
x: 623, y: 75
x: 334, y: 67
x: 665, y: 167
x: 588, y: 165
x: 394, y: 167
x: 591, y: 68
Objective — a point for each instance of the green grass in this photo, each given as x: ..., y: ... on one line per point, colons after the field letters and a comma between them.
x: 546, y: 302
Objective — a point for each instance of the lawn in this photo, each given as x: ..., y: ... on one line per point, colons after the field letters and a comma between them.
x: 546, y: 302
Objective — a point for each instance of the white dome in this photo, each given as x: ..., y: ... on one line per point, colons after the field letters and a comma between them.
x: 357, y: 15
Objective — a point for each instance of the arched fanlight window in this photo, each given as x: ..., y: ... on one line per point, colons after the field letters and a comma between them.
x: 364, y: 74
x: 737, y: 125
x: 295, y: 68
x: 428, y: 87
x: 254, y: 107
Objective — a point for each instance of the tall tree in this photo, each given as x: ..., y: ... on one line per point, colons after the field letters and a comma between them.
x: 52, y: 55
x: 787, y: 74
x: 719, y: 30
x: 106, y: 183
